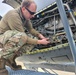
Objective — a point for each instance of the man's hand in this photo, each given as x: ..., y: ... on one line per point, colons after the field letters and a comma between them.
x: 41, y: 36
x: 44, y: 41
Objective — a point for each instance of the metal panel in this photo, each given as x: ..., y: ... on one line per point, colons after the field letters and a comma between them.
x: 25, y: 72
x: 52, y: 56
x: 4, y: 8
x: 41, y: 4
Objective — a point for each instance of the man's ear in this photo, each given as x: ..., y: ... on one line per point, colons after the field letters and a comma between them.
x: 23, y: 8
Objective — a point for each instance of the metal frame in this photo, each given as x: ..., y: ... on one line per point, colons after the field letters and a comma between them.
x: 67, y: 30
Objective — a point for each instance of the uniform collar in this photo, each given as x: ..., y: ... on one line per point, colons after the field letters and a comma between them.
x: 20, y: 13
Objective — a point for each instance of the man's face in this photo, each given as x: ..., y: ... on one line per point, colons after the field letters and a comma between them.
x: 30, y: 11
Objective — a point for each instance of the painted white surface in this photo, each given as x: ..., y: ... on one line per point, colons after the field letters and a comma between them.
x: 41, y: 4
x: 4, y: 8
x: 1, y: 1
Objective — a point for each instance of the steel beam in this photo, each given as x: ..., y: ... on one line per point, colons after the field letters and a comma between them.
x: 67, y: 29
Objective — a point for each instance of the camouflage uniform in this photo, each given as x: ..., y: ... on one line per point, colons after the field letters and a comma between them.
x: 13, y: 37
x: 11, y: 41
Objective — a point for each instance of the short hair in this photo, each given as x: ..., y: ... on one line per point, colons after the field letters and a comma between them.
x: 26, y: 3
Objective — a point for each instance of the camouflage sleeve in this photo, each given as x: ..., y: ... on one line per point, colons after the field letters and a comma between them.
x: 31, y: 29
x: 31, y: 41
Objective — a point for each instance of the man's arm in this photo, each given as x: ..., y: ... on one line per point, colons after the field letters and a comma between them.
x: 42, y: 40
